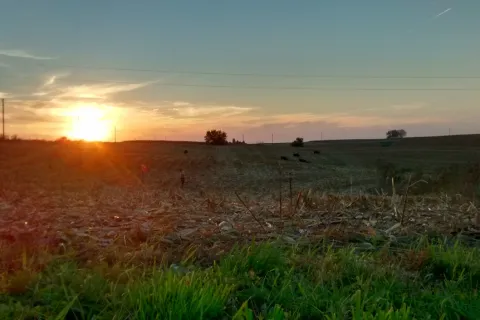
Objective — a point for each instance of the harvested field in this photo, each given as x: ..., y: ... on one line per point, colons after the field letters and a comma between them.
x: 94, y: 199
x: 86, y: 231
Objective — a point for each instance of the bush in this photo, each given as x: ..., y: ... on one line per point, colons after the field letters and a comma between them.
x: 216, y: 137
x: 396, y: 133
x: 13, y: 137
x: 237, y: 141
x: 298, y: 142
x: 62, y: 139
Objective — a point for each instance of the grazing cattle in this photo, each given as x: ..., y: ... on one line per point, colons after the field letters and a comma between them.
x: 283, y: 158
x: 303, y: 160
x: 185, y: 152
x: 296, y: 155
x: 316, y: 152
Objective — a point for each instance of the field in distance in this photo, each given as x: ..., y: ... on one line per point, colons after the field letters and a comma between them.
x: 253, y: 168
x: 118, y: 208
x: 73, y: 192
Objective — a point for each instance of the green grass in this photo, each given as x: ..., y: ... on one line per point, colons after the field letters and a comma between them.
x: 262, y: 281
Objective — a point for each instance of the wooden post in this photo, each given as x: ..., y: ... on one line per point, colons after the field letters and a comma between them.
x: 3, y: 119
x: 291, y: 192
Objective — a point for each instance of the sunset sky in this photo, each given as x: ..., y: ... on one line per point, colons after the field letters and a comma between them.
x: 175, y: 69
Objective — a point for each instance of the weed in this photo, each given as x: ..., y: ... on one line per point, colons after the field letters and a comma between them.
x: 265, y: 281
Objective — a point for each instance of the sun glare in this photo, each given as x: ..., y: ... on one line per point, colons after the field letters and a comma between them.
x: 89, y: 124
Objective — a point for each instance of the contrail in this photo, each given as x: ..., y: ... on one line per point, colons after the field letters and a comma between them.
x: 433, y: 18
x: 442, y: 13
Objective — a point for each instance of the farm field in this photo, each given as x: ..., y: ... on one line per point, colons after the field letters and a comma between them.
x: 93, y: 204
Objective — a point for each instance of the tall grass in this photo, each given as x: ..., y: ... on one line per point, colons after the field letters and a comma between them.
x: 265, y: 281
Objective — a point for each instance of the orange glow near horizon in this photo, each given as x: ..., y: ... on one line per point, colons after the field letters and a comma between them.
x: 89, y: 124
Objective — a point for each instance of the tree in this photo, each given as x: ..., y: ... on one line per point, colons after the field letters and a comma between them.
x: 298, y: 142
x: 235, y: 141
x: 396, y: 133
x: 216, y: 137
x: 62, y: 139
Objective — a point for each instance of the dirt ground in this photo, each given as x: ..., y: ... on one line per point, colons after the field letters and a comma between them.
x: 96, y: 200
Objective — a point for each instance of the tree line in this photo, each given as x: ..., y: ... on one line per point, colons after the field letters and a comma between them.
x: 219, y: 137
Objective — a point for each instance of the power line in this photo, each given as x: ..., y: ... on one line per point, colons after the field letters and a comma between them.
x: 166, y: 84
x: 315, y: 88
x: 326, y: 76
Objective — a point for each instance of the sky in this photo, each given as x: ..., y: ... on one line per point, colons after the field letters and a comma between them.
x: 337, y: 69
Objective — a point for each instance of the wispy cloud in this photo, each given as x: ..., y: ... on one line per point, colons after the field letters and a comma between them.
x: 98, y: 91
x: 201, y: 116
x: 23, y: 54
x: 4, y: 65
x: 188, y: 116
x: 3, y: 95
x: 202, y: 111
x: 40, y: 94
x: 30, y: 118
x: 408, y: 107
x: 48, y: 86
x: 181, y: 104
x: 337, y: 119
x: 188, y: 120
x: 258, y: 126
x: 51, y: 79
x: 441, y: 13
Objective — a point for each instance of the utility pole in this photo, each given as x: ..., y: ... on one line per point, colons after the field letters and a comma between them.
x: 3, y: 119
x: 272, y: 138
x: 243, y: 137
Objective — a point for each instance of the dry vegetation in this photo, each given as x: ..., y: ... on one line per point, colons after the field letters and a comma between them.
x: 94, y: 198
x: 93, y: 203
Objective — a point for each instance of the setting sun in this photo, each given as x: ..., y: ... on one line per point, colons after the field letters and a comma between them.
x: 89, y: 124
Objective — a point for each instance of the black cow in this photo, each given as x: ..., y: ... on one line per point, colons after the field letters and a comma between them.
x: 185, y: 152
x: 283, y: 158
x: 296, y: 155
x: 303, y: 160
x: 316, y: 152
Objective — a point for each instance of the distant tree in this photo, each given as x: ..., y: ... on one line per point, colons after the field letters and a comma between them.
x: 396, y: 133
x: 235, y: 141
x: 62, y: 139
x: 216, y: 137
x: 298, y: 142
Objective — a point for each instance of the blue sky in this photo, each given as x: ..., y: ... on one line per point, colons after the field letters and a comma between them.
x: 57, y: 55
